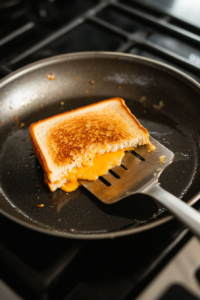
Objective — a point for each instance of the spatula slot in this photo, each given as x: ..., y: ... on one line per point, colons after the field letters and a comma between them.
x: 124, y: 167
x: 135, y: 174
x: 114, y: 174
x: 137, y: 155
x: 104, y: 181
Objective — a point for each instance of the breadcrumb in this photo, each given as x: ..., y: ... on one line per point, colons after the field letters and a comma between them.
x: 162, y: 159
x: 92, y: 81
x: 50, y: 76
x: 119, y: 87
x: 161, y: 104
x: 16, y: 119
x: 22, y: 125
x: 40, y: 205
x: 143, y: 99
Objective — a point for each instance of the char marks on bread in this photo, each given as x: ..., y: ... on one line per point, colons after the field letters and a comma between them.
x: 70, y: 139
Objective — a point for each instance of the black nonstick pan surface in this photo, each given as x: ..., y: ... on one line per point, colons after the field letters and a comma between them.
x: 166, y: 102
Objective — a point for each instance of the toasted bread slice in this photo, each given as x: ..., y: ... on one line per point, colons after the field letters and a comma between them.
x: 73, y: 139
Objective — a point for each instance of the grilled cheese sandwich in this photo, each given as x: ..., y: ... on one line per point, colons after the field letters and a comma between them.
x: 85, y: 143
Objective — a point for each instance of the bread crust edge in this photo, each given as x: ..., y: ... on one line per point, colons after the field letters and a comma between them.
x: 37, y: 150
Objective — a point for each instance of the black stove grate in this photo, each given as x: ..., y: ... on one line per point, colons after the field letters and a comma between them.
x: 57, y: 27
x: 37, y: 266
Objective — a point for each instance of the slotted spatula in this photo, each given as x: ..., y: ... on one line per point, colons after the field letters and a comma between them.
x: 139, y: 173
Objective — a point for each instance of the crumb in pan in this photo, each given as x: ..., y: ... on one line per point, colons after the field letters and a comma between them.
x: 162, y: 159
x: 16, y: 119
x: 50, y: 76
x: 40, y: 205
x: 161, y: 104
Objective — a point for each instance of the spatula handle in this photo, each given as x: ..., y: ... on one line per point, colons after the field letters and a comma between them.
x: 185, y: 213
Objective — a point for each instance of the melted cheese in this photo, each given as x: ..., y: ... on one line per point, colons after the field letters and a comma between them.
x: 98, y: 167
x: 152, y: 147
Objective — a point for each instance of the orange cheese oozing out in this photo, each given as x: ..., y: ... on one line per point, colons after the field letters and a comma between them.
x: 98, y: 167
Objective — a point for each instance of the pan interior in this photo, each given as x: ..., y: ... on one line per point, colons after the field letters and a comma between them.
x: 21, y: 177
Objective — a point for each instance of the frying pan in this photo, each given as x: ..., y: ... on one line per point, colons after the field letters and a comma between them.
x: 28, y: 95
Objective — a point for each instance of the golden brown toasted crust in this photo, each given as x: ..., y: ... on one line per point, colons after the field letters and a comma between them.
x: 37, y: 150
x: 66, y: 139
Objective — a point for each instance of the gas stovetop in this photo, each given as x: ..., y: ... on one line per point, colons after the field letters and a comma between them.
x: 163, y: 30
x: 36, y: 266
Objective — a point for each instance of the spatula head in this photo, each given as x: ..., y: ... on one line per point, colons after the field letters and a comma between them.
x: 139, y: 170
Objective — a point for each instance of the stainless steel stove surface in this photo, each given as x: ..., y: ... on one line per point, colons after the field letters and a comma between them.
x: 36, y: 266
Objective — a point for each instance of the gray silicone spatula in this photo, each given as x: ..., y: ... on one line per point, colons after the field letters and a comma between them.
x: 139, y: 173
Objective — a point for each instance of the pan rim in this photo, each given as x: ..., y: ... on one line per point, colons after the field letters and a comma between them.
x: 92, y: 55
